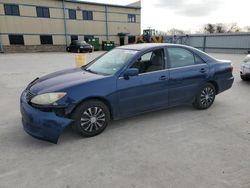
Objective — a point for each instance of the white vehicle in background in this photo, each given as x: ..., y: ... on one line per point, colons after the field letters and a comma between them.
x: 245, y: 68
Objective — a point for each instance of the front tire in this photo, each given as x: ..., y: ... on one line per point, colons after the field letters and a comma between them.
x: 91, y: 118
x: 205, y: 98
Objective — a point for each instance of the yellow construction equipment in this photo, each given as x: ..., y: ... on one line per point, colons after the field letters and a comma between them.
x: 149, y: 36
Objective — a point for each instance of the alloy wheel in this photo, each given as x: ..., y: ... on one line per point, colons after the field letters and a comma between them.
x: 207, y: 97
x: 92, y: 119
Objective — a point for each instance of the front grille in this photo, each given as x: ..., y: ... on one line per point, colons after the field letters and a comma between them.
x: 29, y: 95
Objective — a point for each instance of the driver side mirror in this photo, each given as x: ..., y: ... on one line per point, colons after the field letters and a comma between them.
x: 130, y: 72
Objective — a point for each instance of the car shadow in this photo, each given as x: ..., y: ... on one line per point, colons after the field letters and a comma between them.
x: 71, y: 136
x: 145, y: 117
x: 245, y: 82
x: 68, y: 135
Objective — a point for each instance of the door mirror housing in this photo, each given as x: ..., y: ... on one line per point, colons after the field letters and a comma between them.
x: 130, y: 72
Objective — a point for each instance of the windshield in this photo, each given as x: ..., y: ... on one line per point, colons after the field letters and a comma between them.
x: 111, y: 62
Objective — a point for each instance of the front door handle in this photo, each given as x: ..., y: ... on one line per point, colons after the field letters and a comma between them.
x: 163, y: 77
x: 203, y: 70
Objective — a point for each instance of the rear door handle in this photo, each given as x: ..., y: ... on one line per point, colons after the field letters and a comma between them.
x: 163, y: 77
x: 203, y: 70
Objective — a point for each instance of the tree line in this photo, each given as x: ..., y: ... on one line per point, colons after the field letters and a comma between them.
x: 224, y: 28
x: 209, y: 28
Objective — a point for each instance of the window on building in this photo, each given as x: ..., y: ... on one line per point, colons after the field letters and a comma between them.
x: 73, y: 37
x: 132, y: 18
x: 131, y: 39
x: 46, y: 39
x: 72, y: 14
x: 42, y: 12
x: 179, y: 57
x: 87, y: 15
x: 10, y: 9
x: 16, y: 39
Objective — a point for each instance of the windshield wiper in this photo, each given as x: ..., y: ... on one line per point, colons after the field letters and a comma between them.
x: 91, y: 71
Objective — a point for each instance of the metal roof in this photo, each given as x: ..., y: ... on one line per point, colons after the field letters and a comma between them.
x: 103, y: 4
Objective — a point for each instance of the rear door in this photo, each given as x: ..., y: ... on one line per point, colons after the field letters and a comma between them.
x: 148, y: 90
x: 187, y: 74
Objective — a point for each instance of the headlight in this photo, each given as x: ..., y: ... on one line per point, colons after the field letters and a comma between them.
x: 47, y: 98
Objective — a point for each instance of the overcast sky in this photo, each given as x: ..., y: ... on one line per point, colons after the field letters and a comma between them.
x: 189, y: 14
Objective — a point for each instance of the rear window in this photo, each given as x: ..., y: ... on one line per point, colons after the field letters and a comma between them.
x: 77, y: 42
x: 80, y: 42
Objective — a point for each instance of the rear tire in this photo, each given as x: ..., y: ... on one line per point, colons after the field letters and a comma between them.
x: 243, y: 78
x: 91, y: 118
x: 205, y: 98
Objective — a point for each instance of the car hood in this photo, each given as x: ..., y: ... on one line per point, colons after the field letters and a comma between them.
x: 59, y: 81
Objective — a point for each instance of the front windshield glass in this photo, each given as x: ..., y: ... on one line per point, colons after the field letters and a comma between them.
x: 110, y: 62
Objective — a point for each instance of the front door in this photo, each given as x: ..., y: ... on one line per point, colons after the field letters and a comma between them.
x: 148, y: 90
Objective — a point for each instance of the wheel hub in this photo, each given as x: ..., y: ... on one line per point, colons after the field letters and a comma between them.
x: 93, y: 119
x: 207, y: 97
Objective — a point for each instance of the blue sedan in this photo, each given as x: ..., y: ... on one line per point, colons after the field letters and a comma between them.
x: 126, y: 81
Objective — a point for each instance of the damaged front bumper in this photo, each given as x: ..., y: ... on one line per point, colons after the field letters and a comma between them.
x: 42, y: 125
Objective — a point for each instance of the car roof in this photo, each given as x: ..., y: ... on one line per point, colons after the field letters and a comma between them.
x: 147, y: 46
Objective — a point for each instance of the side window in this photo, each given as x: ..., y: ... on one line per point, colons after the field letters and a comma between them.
x: 198, y: 60
x: 150, y: 61
x: 179, y: 57
x: 146, y: 57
